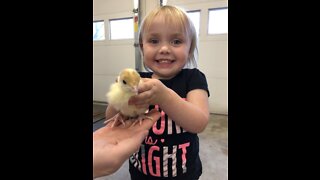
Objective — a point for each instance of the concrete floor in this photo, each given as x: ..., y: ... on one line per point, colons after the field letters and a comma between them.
x: 213, y: 147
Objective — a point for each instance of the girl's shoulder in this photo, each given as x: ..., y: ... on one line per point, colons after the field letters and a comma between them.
x: 195, y: 79
x: 192, y: 72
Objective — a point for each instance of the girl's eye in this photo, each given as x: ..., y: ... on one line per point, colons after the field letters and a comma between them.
x: 154, y: 41
x: 176, y: 42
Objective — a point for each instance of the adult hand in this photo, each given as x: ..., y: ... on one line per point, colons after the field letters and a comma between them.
x: 113, y: 146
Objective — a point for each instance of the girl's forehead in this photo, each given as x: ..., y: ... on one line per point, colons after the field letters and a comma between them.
x: 160, y: 23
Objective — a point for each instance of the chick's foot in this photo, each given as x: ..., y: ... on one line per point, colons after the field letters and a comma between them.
x: 118, y: 118
x: 140, y: 119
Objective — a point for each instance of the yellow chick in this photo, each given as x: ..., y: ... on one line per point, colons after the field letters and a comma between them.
x: 119, y: 94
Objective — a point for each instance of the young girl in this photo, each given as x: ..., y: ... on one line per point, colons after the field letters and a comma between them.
x: 168, y: 42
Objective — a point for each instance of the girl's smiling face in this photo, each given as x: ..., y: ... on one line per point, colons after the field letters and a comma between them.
x: 165, y: 48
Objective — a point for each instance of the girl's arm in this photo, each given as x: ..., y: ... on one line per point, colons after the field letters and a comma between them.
x: 191, y: 114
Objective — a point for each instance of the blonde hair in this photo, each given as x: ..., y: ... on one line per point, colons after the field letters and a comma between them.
x: 178, y: 16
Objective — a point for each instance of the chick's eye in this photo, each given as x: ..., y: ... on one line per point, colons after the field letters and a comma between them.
x: 124, y: 82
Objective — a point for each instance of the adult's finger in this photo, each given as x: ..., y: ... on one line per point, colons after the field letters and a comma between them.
x: 148, y: 123
x: 130, y: 145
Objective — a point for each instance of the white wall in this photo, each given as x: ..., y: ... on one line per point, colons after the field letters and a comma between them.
x: 109, y: 57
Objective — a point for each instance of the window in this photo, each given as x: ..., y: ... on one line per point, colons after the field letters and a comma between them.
x: 218, y: 21
x: 195, y: 18
x: 121, y: 28
x: 98, y: 30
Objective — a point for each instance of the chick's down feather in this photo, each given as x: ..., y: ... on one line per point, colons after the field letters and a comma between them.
x: 119, y: 94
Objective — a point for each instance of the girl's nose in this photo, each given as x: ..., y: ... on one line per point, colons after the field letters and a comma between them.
x: 164, y: 49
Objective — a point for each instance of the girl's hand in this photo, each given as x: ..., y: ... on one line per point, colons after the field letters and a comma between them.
x: 151, y: 91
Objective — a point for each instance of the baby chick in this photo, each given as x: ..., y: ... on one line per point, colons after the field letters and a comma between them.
x: 119, y: 94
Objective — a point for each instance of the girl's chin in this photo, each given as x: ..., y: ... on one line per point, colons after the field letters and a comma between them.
x: 164, y: 65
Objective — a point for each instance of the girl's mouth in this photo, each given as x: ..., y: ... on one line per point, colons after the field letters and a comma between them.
x: 164, y: 61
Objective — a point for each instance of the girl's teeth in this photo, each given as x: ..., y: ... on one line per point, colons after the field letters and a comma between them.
x: 164, y: 61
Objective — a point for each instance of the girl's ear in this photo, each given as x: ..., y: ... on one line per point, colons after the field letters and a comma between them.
x: 141, y: 47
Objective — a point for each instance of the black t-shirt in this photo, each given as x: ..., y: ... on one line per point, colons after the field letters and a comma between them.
x: 169, y: 150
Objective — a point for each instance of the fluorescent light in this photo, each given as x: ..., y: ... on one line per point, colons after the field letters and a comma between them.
x: 163, y: 2
x: 135, y: 4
